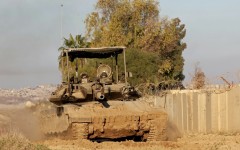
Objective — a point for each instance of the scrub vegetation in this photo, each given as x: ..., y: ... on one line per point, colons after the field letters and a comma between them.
x: 16, y: 141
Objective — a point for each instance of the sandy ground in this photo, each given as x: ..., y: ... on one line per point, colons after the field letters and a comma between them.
x: 187, y: 142
x: 18, y: 118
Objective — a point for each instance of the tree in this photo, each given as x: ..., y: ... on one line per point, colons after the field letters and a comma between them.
x: 172, y: 62
x: 137, y: 25
x: 120, y: 22
x: 78, y: 42
x: 146, y: 59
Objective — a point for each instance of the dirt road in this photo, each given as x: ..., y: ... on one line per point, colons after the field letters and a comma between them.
x: 188, y: 142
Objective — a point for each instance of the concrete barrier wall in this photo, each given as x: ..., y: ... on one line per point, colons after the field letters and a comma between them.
x: 205, y: 111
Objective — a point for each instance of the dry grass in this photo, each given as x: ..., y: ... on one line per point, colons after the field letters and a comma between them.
x: 13, y: 140
x: 199, y: 78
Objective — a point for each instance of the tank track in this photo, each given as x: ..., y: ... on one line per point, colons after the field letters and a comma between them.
x: 61, y: 135
x: 79, y: 131
x: 156, y: 133
x: 152, y: 136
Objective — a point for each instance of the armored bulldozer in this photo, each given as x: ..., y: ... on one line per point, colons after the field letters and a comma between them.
x: 101, y: 108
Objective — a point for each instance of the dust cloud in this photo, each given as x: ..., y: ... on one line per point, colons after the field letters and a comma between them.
x: 172, y: 131
x: 19, y: 119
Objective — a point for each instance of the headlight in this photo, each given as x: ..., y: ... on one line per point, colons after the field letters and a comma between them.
x: 104, y: 71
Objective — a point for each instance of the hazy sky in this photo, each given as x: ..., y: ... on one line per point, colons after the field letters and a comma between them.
x: 31, y: 34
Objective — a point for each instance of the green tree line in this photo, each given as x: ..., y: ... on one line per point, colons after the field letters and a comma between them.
x: 154, y: 42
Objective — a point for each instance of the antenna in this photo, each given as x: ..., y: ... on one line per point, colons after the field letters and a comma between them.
x: 61, y: 17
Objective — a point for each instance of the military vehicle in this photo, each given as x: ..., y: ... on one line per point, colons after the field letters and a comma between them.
x: 99, y: 109
x: 107, y: 84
